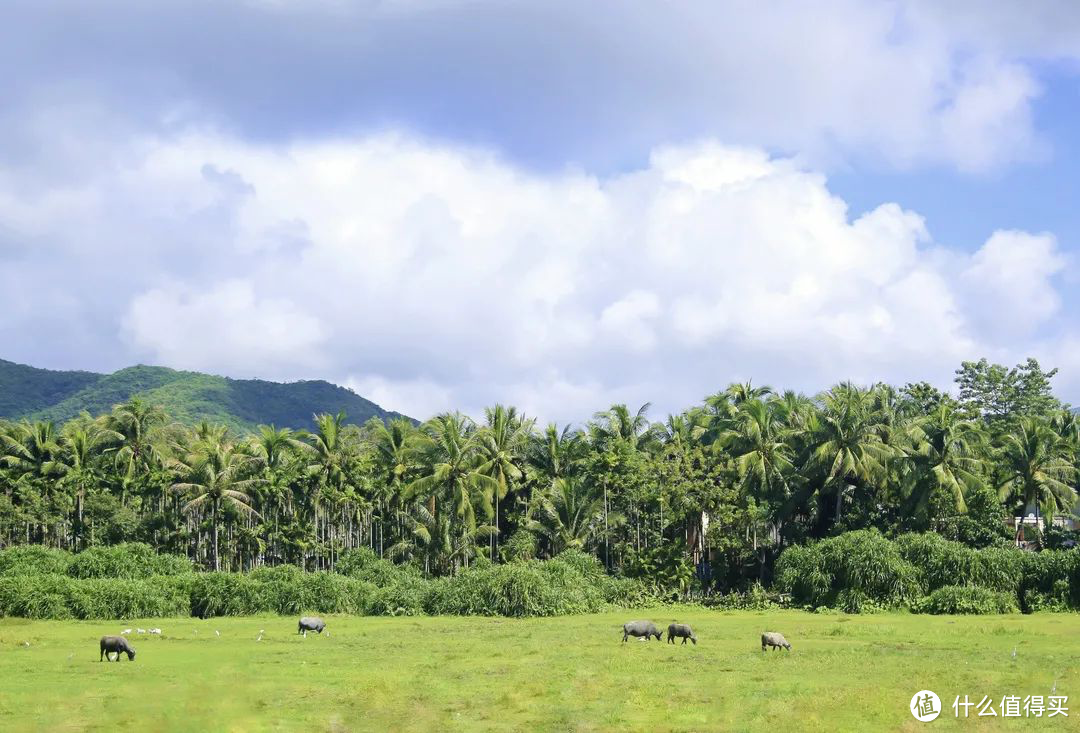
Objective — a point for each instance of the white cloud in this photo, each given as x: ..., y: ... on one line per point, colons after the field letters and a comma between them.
x: 428, y: 277
x: 224, y: 328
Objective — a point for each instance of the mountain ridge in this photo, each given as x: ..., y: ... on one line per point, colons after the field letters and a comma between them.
x: 188, y: 397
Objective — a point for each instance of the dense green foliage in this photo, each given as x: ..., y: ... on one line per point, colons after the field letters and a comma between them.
x: 131, y: 581
x: 874, y: 497
x: 187, y: 397
x: 864, y: 571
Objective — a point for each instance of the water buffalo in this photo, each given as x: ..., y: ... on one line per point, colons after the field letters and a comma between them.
x: 774, y: 640
x: 310, y: 623
x: 680, y: 630
x: 640, y: 629
x: 115, y: 644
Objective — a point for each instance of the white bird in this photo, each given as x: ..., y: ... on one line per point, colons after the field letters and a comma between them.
x: 260, y: 635
x: 1054, y: 688
x: 1014, y: 652
x: 126, y: 631
x: 328, y: 632
x: 70, y: 656
x: 26, y: 643
x: 156, y: 631
x: 140, y: 631
x: 217, y: 632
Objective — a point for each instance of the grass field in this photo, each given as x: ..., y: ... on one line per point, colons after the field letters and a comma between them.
x: 553, y: 674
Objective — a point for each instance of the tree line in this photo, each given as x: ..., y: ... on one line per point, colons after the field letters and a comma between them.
x: 707, y: 498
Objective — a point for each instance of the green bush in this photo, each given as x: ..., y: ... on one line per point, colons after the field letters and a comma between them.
x: 114, y: 598
x: 128, y: 560
x: 227, y: 594
x: 856, y: 571
x: 36, y: 596
x: 966, y: 599
x: 33, y: 560
x: 1051, y: 580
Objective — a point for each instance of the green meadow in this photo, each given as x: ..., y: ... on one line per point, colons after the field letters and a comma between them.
x: 546, y: 674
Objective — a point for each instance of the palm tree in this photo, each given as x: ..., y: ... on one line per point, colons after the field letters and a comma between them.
x: 450, y: 453
x: 568, y: 515
x: 848, y: 442
x: 83, y: 441
x: 945, y: 457
x: 434, y: 540
x: 1038, y: 467
x: 393, y: 444
x: 28, y: 451
x: 218, y: 475
x: 757, y: 443
x: 136, y: 422
x: 502, y: 445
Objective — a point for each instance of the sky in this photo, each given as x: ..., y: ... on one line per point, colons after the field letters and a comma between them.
x: 558, y: 205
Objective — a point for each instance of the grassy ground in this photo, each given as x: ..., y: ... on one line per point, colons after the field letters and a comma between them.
x: 558, y: 674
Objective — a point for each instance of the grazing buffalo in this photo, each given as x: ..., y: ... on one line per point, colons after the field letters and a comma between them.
x: 115, y: 644
x: 646, y: 629
x: 310, y: 623
x: 774, y: 640
x: 680, y: 630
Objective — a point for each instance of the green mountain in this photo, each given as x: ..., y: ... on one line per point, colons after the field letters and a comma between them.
x: 189, y: 397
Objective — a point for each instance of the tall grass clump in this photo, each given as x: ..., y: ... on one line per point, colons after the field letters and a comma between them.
x: 34, y: 560
x: 1051, y: 580
x: 129, y: 560
x: 856, y: 572
x: 966, y: 599
x: 36, y: 596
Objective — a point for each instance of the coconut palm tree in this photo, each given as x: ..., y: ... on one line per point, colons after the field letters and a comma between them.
x: 945, y: 458
x: 502, y: 446
x: 568, y: 514
x: 216, y: 474
x: 848, y: 442
x: 1038, y: 467
x: 451, y: 473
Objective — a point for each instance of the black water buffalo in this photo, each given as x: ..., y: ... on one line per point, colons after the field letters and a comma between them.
x: 115, y: 644
x: 310, y: 623
x: 680, y: 630
x: 639, y: 629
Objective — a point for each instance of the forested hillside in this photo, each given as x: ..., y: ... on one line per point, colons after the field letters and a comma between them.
x: 187, y: 397
x: 710, y: 500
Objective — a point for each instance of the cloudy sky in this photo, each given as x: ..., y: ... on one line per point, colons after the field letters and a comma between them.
x: 449, y: 203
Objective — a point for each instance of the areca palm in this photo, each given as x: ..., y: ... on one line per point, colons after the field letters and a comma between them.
x: 1038, y: 467
x: 393, y: 447
x: 450, y: 453
x: 76, y: 464
x: 757, y: 443
x: 218, y: 475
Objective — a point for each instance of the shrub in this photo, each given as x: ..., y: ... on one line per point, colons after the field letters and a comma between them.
x: 36, y: 596
x: 113, y: 598
x: 966, y: 599
x: 33, y: 560
x: 227, y: 594
x: 859, y: 570
x: 128, y: 560
x: 1051, y: 580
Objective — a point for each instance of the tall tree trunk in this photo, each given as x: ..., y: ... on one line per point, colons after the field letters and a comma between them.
x: 214, y: 521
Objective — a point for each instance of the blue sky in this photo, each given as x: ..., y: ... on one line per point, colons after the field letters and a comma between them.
x: 450, y: 203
